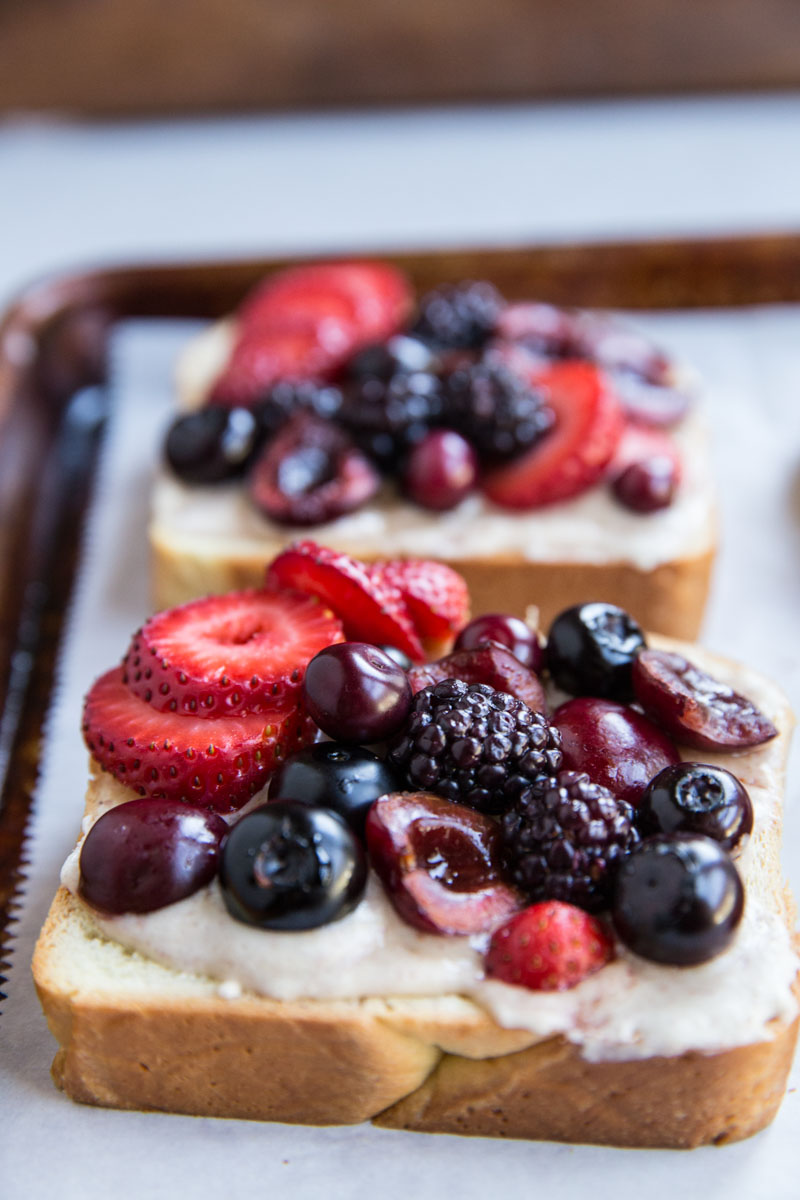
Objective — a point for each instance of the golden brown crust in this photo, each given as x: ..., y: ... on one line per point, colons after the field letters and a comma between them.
x: 669, y: 599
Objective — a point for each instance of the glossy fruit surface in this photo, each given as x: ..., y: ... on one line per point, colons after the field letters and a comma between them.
x: 697, y: 798
x: 574, y: 454
x: 679, y: 899
x: 646, y: 486
x: 211, y: 445
x: 309, y: 473
x: 542, y: 328
x: 500, y: 411
x: 356, y: 693
x: 488, y: 663
x: 146, y: 854
x: 435, y: 595
x: 440, y: 471
x: 591, y: 648
x: 693, y: 707
x: 217, y: 763
x: 388, y: 418
x: 458, y: 315
x: 290, y: 866
x: 238, y: 654
x: 439, y: 863
x: 370, y: 609
x: 658, y: 405
x: 548, y: 947
x: 513, y: 633
x: 616, y: 746
x: 345, y: 778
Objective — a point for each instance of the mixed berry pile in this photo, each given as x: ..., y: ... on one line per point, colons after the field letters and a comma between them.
x: 337, y: 381
x: 557, y: 835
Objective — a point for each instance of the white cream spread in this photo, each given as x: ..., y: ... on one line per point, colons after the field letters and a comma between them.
x: 592, y: 527
x: 630, y: 1009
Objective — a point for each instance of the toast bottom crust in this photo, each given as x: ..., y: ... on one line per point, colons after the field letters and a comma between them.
x: 669, y: 599
x: 404, y: 1064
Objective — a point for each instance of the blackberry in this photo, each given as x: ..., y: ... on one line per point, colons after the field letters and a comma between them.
x: 472, y: 744
x: 458, y: 316
x: 495, y: 409
x: 286, y: 398
x: 563, y: 839
x: 387, y: 417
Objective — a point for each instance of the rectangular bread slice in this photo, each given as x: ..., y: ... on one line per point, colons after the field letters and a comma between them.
x: 140, y: 1035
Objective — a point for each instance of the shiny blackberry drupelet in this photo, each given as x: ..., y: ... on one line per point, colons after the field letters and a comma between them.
x: 387, y: 417
x: 495, y: 409
x: 288, y: 397
x: 564, y: 838
x: 474, y: 745
x: 458, y: 315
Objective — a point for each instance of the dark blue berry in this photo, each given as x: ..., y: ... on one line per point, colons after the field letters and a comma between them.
x: 697, y: 798
x: 591, y: 650
x: 347, y: 779
x: 212, y: 445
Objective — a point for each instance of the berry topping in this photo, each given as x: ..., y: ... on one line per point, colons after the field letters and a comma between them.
x: 237, y: 654
x: 696, y: 798
x: 207, y: 763
x: 310, y: 473
x: 334, y: 775
x: 212, y: 445
x: 370, y: 609
x: 564, y: 838
x: 356, y: 693
x: 542, y: 328
x: 654, y: 404
x: 440, y: 471
x: 388, y: 417
x: 436, y: 596
x: 678, y: 899
x: 574, y: 454
x: 259, y: 360
x: 291, y: 866
x: 648, y: 485
x: 591, y: 648
x: 458, y: 315
x: 497, y: 410
x: 548, y: 947
x: 289, y: 397
x: 511, y: 632
x: 146, y: 854
x: 470, y: 743
x: 488, y: 663
x: 439, y: 863
x: 694, y: 708
x: 614, y: 346
x: 399, y: 354
x: 616, y: 746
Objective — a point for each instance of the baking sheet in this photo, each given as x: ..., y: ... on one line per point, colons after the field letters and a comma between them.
x: 751, y: 363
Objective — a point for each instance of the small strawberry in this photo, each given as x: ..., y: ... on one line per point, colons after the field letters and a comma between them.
x: 240, y: 654
x: 548, y: 947
x: 436, y: 596
x: 215, y: 764
x: 371, y: 610
x: 575, y: 454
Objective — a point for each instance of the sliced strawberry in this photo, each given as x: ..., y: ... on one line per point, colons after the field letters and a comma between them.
x: 575, y: 454
x: 216, y: 764
x: 548, y: 947
x: 261, y: 359
x: 436, y: 596
x: 239, y: 654
x: 372, y: 299
x: 371, y: 610
x: 640, y: 443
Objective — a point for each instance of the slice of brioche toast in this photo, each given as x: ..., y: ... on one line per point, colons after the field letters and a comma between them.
x: 140, y: 1035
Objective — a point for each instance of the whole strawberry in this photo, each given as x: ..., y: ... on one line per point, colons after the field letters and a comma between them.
x: 548, y: 947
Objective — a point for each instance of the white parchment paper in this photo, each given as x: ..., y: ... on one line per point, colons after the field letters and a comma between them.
x: 52, y: 1147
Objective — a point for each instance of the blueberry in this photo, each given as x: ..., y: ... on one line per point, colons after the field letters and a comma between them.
x: 591, y: 649
x: 212, y: 445
x: 678, y: 899
x: 347, y: 779
x: 696, y: 798
x: 290, y: 866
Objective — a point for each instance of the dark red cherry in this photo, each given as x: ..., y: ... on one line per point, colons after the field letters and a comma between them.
x: 697, y: 798
x: 647, y: 485
x: 356, y: 693
x: 488, y: 663
x: 440, y: 863
x: 678, y: 899
x: 310, y: 472
x: 440, y: 470
x: 693, y: 707
x: 523, y: 642
x: 146, y: 854
x: 658, y: 405
x: 616, y: 746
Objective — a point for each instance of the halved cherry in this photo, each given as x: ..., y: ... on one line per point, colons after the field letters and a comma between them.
x: 489, y: 663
